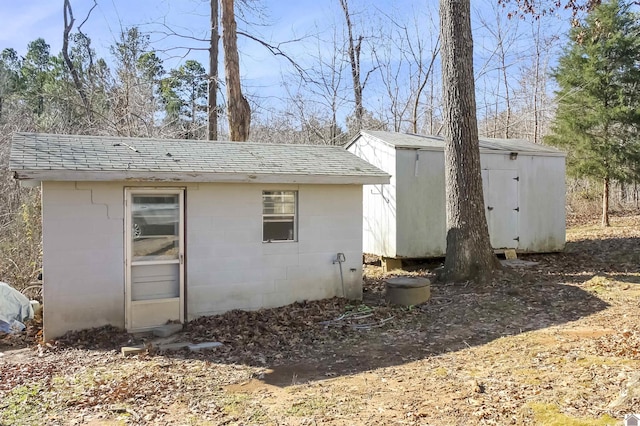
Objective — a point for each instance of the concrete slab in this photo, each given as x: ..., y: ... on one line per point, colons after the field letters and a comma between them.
x: 175, y: 346
x: 204, y: 345
x: 132, y: 350
x: 167, y: 330
x: 518, y: 263
x: 391, y: 264
x: 510, y: 254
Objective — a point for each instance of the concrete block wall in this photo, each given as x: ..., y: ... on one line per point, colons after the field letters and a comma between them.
x: 227, y: 264
x: 83, y: 252
x: 229, y: 267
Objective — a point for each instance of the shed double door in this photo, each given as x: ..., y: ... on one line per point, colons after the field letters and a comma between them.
x: 501, y: 200
x: 154, y: 248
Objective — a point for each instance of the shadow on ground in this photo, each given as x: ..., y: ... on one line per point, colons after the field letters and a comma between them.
x: 456, y: 318
x: 308, y: 341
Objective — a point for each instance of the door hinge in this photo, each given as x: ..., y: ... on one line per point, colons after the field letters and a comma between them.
x: 181, y: 258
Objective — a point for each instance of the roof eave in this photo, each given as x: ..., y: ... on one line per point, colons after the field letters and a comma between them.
x: 488, y: 150
x: 149, y: 176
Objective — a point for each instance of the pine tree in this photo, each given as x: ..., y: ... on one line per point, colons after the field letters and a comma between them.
x: 598, y: 116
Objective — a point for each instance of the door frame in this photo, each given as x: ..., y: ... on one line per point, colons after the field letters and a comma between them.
x: 129, y: 192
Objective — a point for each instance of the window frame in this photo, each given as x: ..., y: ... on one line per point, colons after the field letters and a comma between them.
x: 294, y: 215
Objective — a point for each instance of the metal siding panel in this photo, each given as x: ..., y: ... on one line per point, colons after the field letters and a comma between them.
x: 421, y: 215
x: 155, y: 281
x: 379, y: 201
x: 502, y: 207
x: 542, y: 204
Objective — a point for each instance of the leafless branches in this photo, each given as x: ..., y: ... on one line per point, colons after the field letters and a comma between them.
x: 68, y: 26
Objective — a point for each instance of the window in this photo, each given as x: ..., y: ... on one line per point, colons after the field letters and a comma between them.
x: 279, y: 216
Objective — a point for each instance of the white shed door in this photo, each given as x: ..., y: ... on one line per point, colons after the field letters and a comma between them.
x: 154, y: 247
x: 501, y: 200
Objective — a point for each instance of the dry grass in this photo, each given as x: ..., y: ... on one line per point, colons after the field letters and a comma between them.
x: 554, y: 344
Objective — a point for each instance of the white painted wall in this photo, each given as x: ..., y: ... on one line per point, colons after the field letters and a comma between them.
x: 379, y: 201
x: 229, y: 267
x: 417, y: 225
x: 227, y: 264
x: 83, y: 255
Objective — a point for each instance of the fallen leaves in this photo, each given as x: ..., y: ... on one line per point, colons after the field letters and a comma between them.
x: 555, y: 340
x: 625, y: 344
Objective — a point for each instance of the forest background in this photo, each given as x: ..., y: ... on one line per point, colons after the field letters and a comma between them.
x: 143, y: 68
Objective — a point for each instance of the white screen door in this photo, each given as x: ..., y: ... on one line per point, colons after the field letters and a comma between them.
x: 154, y: 247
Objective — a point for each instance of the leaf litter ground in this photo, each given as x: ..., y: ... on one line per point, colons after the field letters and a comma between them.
x: 556, y: 342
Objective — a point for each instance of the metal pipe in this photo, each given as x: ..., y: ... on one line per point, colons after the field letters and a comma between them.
x: 339, y: 259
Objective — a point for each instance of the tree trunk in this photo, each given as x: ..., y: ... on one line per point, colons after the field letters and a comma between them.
x: 68, y: 26
x: 507, y: 125
x: 536, y: 85
x: 212, y: 99
x: 238, y: 108
x: 605, y: 202
x: 354, y: 58
x: 469, y: 255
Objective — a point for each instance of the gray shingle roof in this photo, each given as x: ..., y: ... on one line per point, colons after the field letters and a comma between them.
x: 63, y: 157
x: 407, y: 140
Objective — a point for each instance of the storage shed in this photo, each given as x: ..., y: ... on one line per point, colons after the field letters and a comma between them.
x: 139, y: 232
x: 523, y: 185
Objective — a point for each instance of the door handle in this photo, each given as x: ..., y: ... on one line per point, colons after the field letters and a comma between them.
x: 181, y: 258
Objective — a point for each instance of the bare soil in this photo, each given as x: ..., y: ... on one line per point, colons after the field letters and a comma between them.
x: 552, y: 342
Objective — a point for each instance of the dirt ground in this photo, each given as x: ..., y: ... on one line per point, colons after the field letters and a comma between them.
x: 554, y: 341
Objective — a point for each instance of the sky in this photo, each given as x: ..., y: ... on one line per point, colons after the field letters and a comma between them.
x: 22, y: 21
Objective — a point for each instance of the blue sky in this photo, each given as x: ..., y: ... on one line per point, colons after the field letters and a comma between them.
x: 23, y: 21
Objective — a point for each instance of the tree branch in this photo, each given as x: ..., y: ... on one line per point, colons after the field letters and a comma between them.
x: 277, y: 51
x: 68, y: 26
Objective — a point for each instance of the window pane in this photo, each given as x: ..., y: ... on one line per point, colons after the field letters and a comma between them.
x: 279, y: 210
x: 278, y: 228
x: 155, y: 221
x: 279, y: 202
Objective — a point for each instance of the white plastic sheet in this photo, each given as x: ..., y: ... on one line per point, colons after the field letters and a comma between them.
x: 14, y: 308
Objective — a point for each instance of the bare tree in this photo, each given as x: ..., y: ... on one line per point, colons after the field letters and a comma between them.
x: 405, y: 63
x: 238, y: 109
x: 469, y: 255
x: 502, y: 57
x: 536, y: 106
x: 68, y: 26
x: 354, y: 52
x: 212, y: 98
x: 422, y: 59
x: 354, y: 47
x: 326, y: 81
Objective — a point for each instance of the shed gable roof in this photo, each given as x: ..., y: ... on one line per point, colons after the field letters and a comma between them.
x: 413, y: 141
x: 77, y: 157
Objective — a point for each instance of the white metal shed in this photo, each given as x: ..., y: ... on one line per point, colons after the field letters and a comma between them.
x: 138, y: 232
x: 523, y: 185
